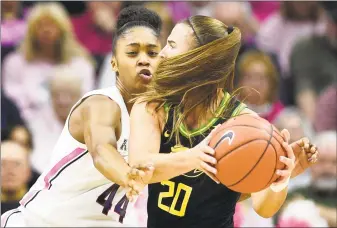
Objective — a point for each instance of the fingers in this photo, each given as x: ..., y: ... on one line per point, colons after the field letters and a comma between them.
x: 290, y: 152
x: 290, y: 163
x: 134, y: 172
x: 212, y: 176
x: 285, y: 133
x: 283, y: 173
x: 280, y: 180
x: 304, y: 141
x: 313, y: 148
x: 313, y: 158
x: 134, y: 188
x: 208, y: 168
x: 208, y: 150
x: 208, y: 159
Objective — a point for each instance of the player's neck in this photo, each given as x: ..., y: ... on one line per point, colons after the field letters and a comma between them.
x: 198, y: 117
x: 126, y: 94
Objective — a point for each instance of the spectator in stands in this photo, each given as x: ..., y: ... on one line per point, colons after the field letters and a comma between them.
x: 280, y: 32
x: 238, y: 14
x: 21, y: 135
x: 326, y: 111
x: 65, y: 89
x: 15, y: 174
x: 204, y: 8
x: 164, y: 12
x: 263, y: 9
x: 95, y: 27
x: 10, y: 114
x: 292, y: 119
x: 313, y: 64
x: 49, y: 43
x: 13, y: 26
x: 258, y: 80
x: 322, y: 188
x: 301, y: 213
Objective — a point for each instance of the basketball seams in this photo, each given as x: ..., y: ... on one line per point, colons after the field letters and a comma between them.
x: 275, y: 152
x: 258, y: 161
x: 232, y: 150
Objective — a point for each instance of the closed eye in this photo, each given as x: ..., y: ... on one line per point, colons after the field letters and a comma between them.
x: 132, y: 53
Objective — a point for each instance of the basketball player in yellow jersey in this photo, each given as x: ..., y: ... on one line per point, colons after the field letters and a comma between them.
x: 191, y: 90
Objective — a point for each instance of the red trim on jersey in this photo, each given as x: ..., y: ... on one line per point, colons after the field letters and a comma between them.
x: 62, y: 163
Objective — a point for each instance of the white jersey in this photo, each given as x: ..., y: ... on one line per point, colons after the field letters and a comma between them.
x: 72, y: 192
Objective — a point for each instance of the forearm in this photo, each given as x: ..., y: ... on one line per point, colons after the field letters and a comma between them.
x: 267, y: 202
x: 111, y: 164
x: 167, y: 166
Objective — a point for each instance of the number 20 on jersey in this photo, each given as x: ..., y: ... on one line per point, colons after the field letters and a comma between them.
x: 171, y: 193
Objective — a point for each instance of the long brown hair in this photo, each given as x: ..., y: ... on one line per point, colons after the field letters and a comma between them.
x: 192, y: 79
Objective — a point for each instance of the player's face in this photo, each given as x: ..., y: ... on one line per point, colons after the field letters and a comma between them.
x: 179, y: 41
x: 136, y: 58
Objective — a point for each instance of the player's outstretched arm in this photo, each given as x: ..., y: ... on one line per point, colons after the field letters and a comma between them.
x: 145, y: 136
x: 100, y: 117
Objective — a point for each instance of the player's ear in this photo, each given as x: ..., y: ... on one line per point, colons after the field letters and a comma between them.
x: 114, y: 64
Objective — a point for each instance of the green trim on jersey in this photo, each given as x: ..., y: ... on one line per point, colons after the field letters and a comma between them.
x: 199, y: 131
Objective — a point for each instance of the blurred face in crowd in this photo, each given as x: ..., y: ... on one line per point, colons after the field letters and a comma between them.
x: 104, y: 14
x: 324, y: 172
x: 66, y: 90
x: 234, y: 14
x: 301, y: 10
x: 47, y: 32
x: 293, y: 123
x: 199, y: 3
x: 136, y: 58
x: 20, y: 135
x: 15, y: 167
x: 255, y: 82
x: 9, y: 9
x: 179, y: 41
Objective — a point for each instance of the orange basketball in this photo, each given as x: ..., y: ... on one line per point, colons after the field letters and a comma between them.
x: 247, y: 149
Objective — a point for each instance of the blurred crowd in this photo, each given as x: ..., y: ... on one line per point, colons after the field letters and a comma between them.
x: 52, y: 53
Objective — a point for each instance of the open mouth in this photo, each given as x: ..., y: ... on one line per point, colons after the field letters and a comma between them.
x: 145, y: 74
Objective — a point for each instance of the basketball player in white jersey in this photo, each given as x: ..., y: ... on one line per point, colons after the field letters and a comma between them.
x: 86, y: 180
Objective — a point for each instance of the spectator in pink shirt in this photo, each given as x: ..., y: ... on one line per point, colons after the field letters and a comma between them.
x: 294, y: 20
x: 263, y: 9
x: 49, y: 43
x: 258, y: 78
x: 95, y: 27
x: 13, y: 26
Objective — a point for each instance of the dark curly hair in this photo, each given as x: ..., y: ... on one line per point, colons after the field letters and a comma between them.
x: 133, y: 16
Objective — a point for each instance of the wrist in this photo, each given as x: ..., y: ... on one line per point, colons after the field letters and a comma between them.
x: 280, y: 187
x: 191, y: 158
